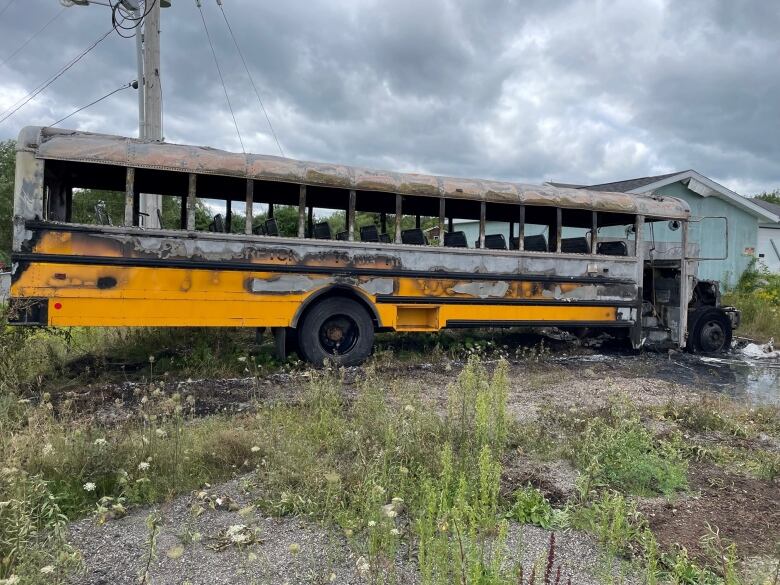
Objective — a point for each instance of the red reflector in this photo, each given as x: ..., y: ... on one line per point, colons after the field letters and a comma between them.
x: 60, y: 276
x: 58, y: 306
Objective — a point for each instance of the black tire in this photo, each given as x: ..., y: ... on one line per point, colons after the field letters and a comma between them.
x: 709, y: 331
x: 336, y: 329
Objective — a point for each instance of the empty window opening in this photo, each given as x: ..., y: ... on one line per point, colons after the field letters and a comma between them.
x: 615, y: 234
x: 419, y: 220
x: 461, y: 223
x: 539, y: 229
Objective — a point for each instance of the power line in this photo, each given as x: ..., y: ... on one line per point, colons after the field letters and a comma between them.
x: 133, y: 84
x: 128, y: 15
x: 32, y: 95
x: 6, y: 7
x: 35, y: 34
x: 251, y: 79
x: 219, y: 71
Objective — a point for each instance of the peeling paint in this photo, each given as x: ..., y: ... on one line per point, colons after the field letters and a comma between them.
x: 293, y: 283
x: 378, y: 286
x: 483, y: 290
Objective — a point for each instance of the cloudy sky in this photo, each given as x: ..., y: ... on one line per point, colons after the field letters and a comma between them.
x: 532, y: 90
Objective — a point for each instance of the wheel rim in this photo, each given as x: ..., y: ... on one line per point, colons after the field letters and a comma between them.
x: 338, y: 334
x: 712, y: 336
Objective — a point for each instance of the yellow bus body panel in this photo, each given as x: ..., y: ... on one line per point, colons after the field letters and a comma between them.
x: 181, y: 297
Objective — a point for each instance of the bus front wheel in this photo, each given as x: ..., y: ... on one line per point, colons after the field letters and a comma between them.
x: 709, y: 331
x: 336, y: 329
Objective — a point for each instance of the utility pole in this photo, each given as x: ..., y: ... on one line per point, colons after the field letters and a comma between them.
x: 147, y: 44
x: 139, y: 62
x: 151, y: 204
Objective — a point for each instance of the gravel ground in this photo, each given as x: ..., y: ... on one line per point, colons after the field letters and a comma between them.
x: 116, y: 552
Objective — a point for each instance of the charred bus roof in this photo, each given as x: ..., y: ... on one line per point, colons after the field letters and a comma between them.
x: 70, y: 145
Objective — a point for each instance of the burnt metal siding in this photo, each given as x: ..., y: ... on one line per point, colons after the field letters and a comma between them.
x: 69, y: 145
x: 297, y: 266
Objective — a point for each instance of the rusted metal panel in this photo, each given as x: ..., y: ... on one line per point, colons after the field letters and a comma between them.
x: 168, y: 246
x: 129, y: 196
x: 98, y: 148
x: 28, y: 195
x: 249, y: 206
x: 191, y: 201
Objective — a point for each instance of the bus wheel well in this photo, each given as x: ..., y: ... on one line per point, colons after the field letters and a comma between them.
x: 336, y: 291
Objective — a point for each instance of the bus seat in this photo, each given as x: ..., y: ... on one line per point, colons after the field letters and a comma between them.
x: 514, y: 243
x: 495, y: 242
x: 322, y: 231
x: 385, y: 238
x: 258, y: 230
x: 271, y: 227
x: 618, y: 248
x: 455, y: 240
x: 159, y: 218
x: 535, y: 243
x: 369, y: 233
x: 413, y: 236
x: 342, y: 235
x: 217, y: 224
x: 575, y: 245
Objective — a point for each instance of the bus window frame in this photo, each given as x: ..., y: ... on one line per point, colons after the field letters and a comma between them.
x: 252, y: 195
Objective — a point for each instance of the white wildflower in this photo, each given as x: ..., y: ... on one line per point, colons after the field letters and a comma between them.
x: 47, y: 570
x: 48, y: 449
x: 100, y: 442
x: 242, y: 359
x: 255, y: 449
x: 11, y: 580
x: 362, y: 566
x: 89, y: 487
x: 391, y: 513
x: 143, y: 466
x: 160, y: 433
x: 371, y: 523
x: 395, y: 531
x: 409, y: 408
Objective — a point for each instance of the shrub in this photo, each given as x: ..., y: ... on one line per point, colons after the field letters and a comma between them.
x: 531, y: 507
x: 619, y: 453
x: 32, y: 531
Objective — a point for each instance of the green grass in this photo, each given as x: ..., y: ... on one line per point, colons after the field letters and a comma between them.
x: 618, y: 452
x: 373, y: 458
x: 757, y: 295
x: 760, y: 318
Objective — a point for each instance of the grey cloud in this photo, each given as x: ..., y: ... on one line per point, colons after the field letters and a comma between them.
x: 531, y: 90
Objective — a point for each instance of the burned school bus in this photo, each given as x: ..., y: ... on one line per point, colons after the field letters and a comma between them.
x: 573, y: 259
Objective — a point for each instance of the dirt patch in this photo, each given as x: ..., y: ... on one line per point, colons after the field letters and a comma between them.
x: 555, y: 479
x: 746, y: 511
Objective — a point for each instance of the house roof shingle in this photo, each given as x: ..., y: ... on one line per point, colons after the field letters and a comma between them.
x: 770, y: 207
x: 630, y: 184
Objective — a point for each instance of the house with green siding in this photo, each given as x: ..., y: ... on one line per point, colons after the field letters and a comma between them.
x: 724, y: 226
x: 731, y: 241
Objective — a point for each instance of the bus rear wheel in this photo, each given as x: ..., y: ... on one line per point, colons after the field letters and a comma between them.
x: 710, y: 331
x: 336, y: 329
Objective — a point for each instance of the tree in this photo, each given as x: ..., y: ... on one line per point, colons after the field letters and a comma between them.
x: 7, y: 172
x: 771, y: 197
